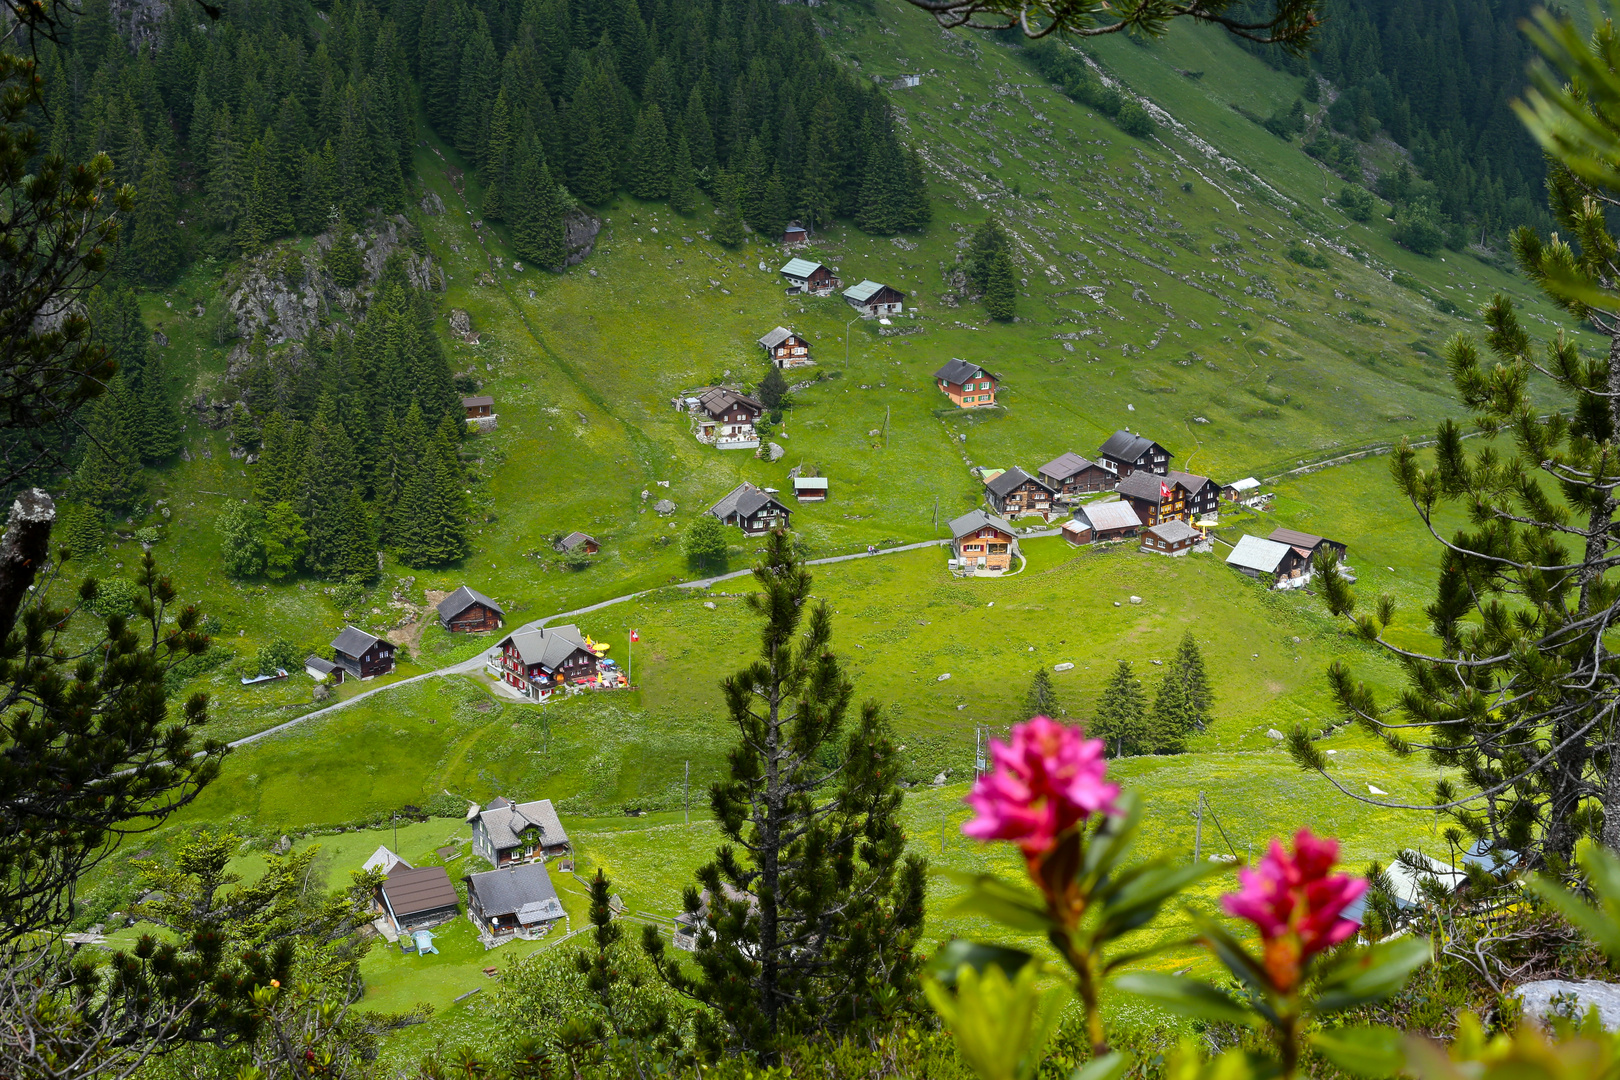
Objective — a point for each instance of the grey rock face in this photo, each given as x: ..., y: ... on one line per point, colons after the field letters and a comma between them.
x: 1546, y: 998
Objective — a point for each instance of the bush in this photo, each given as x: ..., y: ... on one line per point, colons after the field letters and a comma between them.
x: 280, y: 654
x: 1357, y: 203
x: 1417, y: 228
x: 1304, y: 256
x: 1134, y: 120
x: 115, y: 597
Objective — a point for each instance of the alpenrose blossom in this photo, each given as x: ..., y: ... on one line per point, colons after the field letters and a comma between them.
x: 1048, y: 780
x: 1296, y: 904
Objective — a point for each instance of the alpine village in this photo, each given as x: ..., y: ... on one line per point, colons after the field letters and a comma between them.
x: 805, y: 539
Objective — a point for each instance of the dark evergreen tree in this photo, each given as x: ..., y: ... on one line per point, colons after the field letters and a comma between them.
x: 1171, y: 718
x: 154, y: 252
x: 1120, y: 720
x: 536, y: 210
x: 161, y: 422
x: 699, y: 136
x: 728, y: 225
x: 229, y: 178
x: 988, y: 239
x: 649, y: 156
x: 772, y: 389
x: 343, y: 259
x: 1001, y: 289
x: 109, y: 473
x: 498, y: 159
x: 814, y: 908
x: 1041, y: 698
x: 682, y: 181
x: 82, y: 529
x: 1189, y: 668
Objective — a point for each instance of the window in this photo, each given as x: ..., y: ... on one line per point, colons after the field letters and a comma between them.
x: 998, y: 549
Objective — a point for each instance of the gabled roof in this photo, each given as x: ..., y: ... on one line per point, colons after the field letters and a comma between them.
x: 1174, y: 531
x: 573, y: 540
x: 506, y: 820
x: 384, y: 860
x: 474, y: 402
x: 464, y: 598
x: 1143, y: 485
x: 960, y: 371
x: 1258, y: 553
x: 794, y: 226
x: 1295, y: 538
x: 525, y: 891
x: 1128, y: 447
x: 866, y: 290
x: 353, y: 641
x: 776, y: 337
x: 325, y: 667
x: 1248, y: 483
x: 413, y: 891
x: 547, y: 646
x: 1065, y: 466
x: 720, y: 399
x: 744, y: 499
x: 1191, y: 481
x: 1012, y: 478
x: 975, y: 520
x: 1108, y: 516
x: 802, y: 268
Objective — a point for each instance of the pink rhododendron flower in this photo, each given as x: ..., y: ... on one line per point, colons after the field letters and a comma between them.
x: 1048, y: 780
x: 1296, y: 903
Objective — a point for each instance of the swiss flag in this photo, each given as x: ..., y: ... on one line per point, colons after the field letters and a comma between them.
x: 634, y: 636
x: 1164, y: 490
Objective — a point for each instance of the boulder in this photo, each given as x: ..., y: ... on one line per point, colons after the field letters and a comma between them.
x: 1546, y: 998
x: 939, y: 781
x: 432, y: 205
x: 159, y: 338
x: 579, y: 234
x: 1275, y: 734
x: 1065, y: 666
x: 1136, y: 599
x: 709, y: 604
x: 460, y: 321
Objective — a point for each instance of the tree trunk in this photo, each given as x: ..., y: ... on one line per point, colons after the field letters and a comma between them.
x: 23, y: 550
x: 770, y: 833
x: 1596, y: 546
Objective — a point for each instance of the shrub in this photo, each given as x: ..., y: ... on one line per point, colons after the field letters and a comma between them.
x: 114, y: 597
x: 1304, y: 256
x: 1357, y: 203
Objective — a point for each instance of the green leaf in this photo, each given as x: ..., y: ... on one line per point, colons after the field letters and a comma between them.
x: 1602, y: 923
x: 959, y: 953
x: 1008, y: 904
x: 1362, y: 1051
x: 1110, y: 1066
x: 1370, y: 974
x: 1113, y: 839
x: 1139, y: 901
x: 1187, y: 997
x: 1230, y: 952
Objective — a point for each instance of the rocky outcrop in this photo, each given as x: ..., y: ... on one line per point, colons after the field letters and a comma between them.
x: 579, y: 232
x: 432, y: 205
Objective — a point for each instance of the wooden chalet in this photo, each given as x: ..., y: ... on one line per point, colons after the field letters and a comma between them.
x: 1241, y: 490
x: 804, y: 276
x: 1113, y: 520
x: 1125, y: 453
x: 484, y: 405
x: 727, y: 415
x: 874, y: 300
x: 578, y: 541
x: 785, y: 348
x: 1075, y: 531
x: 810, y: 488
x: 967, y: 384
x: 1017, y: 492
x: 1071, y: 474
x: 363, y: 655
x: 1173, y: 537
x: 1153, y: 497
x: 517, y: 902
x: 468, y: 611
x: 983, y: 543
x: 1308, y: 543
x: 415, y: 898
x: 1283, y: 565
x: 753, y: 511
x: 1202, y: 495
x: 539, y: 661
x: 322, y: 670
x: 795, y: 235
x: 507, y: 832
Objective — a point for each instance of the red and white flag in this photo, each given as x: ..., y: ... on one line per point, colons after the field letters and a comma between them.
x: 1164, y: 490
x: 634, y: 636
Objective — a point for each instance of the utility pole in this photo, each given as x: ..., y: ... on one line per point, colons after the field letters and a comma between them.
x: 396, y: 832
x: 846, y: 339
x: 885, y: 427
x: 978, y: 752
x: 1198, y: 829
x: 689, y: 793
x: 936, y: 513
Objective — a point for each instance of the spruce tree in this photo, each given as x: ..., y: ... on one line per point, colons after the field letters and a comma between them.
x: 226, y: 176
x: 536, y: 210
x: 82, y: 530
x: 987, y: 240
x: 649, y: 156
x: 1041, y: 698
x: 109, y: 474
x: 161, y: 422
x: 1120, y: 720
x: 1171, y: 719
x: 818, y: 196
x: 1189, y: 668
x: 682, y: 182
x: 284, y: 540
x: 343, y: 259
x: 772, y: 389
x: 814, y: 909
x: 498, y: 159
x: 699, y: 134
x: 728, y: 226
x: 156, y: 238
x: 1001, y: 289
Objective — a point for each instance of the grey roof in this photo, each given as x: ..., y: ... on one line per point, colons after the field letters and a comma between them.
x: 776, y: 337
x: 1248, y: 483
x: 353, y: 641
x: 977, y: 519
x: 547, y: 646
x: 1174, y: 531
x: 1143, y: 485
x: 720, y: 399
x: 744, y: 499
x: 471, y: 402
x: 664, y: 506
x: 325, y: 667
x: 801, y: 268
x: 413, y: 891
x: 1107, y: 516
x: 809, y: 483
x: 794, y: 226
x: 384, y: 860
x: 1009, y: 480
x: 505, y: 820
x: 525, y: 891
x: 1191, y: 481
x: 1126, y: 446
x: 573, y: 540
x: 959, y: 371
x: 1258, y: 553
x: 866, y: 290
x: 1065, y: 465
x: 464, y: 598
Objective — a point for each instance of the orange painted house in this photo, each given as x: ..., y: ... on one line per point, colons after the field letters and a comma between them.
x: 968, y: 385
x: 983, y: 541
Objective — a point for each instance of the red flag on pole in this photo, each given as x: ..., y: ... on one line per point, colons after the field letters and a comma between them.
x: 1164, y: 490
x: 634, y: 636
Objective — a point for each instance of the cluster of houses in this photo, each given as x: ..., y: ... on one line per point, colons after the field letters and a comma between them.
x: 514, y: 900
x: 871, y: 299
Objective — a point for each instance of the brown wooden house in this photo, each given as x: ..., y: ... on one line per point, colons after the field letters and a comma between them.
x: 804, y: 276
x: 1173, y: 537
x: 1112, y: 520
x: 967, y: 384
x: 483, y: 405
x: 1017, y: 492
x: 537, y: 661
x: 874, y: 300
x: 578, y: 542
x: 1125, y: 453
x: 363, y: 655
x: 795, y: 235
x: 753, y: 511
x: 1203, y: 495
x: 984, y: 542
x: 1072, y: 475
x: 1309, y: 543
x: 1282, y: 565
x: 785, y: 348
x: 468, y: 611
x: 1153, y: 497
x: 728, y: 414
